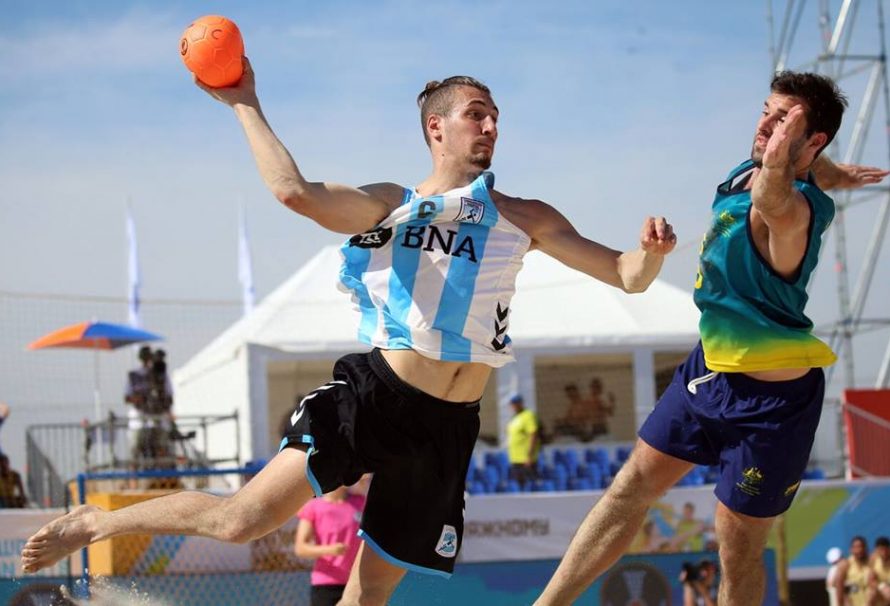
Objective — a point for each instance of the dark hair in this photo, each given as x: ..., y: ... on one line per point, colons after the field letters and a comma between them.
x: 145, y: 353
x: 882, y: 542
x: 861, y: 539
x: 438, y: 97
x: 825, y: 103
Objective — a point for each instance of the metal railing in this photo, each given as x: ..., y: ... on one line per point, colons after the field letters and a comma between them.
x: 58, y: 452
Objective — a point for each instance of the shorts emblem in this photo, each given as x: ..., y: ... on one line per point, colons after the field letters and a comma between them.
x: 447, y: 547
x: 752, y: 478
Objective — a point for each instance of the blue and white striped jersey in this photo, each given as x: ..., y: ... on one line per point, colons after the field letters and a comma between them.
x: 437, y: 276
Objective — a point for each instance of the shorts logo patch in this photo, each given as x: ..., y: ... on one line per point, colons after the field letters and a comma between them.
x: 471, y: 211
x: 792, y: 489
x: 752, y: 478
x: 447, y: 547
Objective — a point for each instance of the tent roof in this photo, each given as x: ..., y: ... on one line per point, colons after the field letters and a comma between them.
x: 554, y: 307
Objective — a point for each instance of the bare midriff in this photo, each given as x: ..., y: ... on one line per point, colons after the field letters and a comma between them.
x: 451, y: 381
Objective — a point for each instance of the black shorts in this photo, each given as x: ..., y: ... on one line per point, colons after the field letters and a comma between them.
x: 326, y: 595
x: 418, y: 447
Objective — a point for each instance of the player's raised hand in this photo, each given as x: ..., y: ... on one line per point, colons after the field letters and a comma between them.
x: 657, y: 236
x: 242, y: 92
x: 781, y: 148
x: 853, y: 176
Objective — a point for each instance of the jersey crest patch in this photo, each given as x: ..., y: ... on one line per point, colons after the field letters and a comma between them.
x: 471, y: 211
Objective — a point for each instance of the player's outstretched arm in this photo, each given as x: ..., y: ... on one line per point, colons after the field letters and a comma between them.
x: 336, y: 207
x: 631, y: 271
x: 845, y: 176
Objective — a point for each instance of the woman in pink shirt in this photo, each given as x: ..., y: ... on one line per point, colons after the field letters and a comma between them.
x: 328, y: 534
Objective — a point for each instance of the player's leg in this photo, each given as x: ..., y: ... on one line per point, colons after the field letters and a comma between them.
x: 611, y: 525
x: 265, y: 503
x: 372, y: 579
x: 671, y: 438
x: 770, y: 428
x: 742, y: 539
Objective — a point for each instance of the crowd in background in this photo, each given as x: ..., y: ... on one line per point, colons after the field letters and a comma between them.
x: 861, y: 578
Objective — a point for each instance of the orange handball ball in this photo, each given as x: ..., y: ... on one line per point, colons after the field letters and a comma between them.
x: 211, y: 48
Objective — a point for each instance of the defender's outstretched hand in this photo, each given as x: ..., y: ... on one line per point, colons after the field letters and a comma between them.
x: 657, y: 236
x: 853, y: 176
x: 243, y: 92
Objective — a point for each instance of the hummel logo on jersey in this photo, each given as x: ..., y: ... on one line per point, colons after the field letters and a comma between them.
x: 372, y: 239
x: 447, y: 546
x: 500, y: 327
x: 430, y: 238
x: 471, y: 211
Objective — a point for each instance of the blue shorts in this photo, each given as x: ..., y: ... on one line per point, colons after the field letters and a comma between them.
x: 760, y: 433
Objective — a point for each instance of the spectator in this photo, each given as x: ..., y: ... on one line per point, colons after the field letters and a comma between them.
x: 851, y: 582
x: 600, y: 408
x: 12, y: 493
x: 151, y: 394
x: 328, y: 533
x: 577, y: 419
x: 523, y: 442
x: 880, y: 570
x: 699, y: 584
x: 834, y: 556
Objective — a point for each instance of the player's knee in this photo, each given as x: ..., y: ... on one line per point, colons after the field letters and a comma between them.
x: 632, y: 482
x: 740, y: 559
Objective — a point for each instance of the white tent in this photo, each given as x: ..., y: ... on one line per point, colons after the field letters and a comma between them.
x: 556, y: 310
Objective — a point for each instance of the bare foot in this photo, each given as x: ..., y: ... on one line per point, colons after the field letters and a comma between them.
x: 61, y: 537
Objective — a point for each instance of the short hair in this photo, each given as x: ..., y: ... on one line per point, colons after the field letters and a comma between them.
x: 861, y: 539
x: 145, y: 353
x: 438, y: 97
x: 825, y: 103
x: 882, y: 542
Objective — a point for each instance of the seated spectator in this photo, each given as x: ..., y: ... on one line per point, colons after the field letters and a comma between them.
x: 12, y: 493
x: 577, y: 419
x: 601, y: 406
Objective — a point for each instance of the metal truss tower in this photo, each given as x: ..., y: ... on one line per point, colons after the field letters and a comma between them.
x: 836, y: 44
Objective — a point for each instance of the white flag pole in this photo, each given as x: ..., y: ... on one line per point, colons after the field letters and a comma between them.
x: 245, y: 266
x: 134, y: 279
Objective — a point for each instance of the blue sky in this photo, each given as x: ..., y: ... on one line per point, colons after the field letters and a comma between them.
x: 610, y: 111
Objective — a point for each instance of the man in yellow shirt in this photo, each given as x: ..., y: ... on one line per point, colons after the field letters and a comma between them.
x: 523, y: 442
